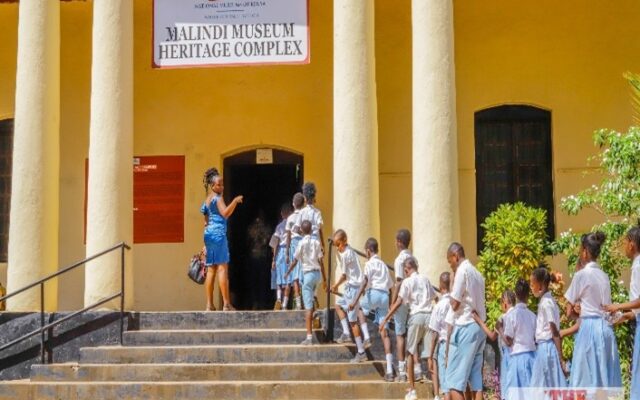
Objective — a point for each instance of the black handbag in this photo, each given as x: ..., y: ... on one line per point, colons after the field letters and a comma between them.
x: 197, y: 269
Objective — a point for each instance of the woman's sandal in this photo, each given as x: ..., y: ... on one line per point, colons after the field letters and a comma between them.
x: 210, y: 309
x: 228, y: 307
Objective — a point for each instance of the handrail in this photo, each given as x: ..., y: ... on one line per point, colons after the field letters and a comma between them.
x: 329, y: 322
x: 66, y: 269
x: 43, y: 328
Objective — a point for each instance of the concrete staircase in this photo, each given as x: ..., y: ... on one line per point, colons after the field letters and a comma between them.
x: 233, y: 355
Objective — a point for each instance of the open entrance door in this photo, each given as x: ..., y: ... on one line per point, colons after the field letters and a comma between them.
x: 267, y: 178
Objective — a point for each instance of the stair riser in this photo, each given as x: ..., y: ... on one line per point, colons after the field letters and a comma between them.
x: 179, y: 355
x: 222, y: 320
x: 159, y: 338
x: 186, y: 373
x: 146, y: 391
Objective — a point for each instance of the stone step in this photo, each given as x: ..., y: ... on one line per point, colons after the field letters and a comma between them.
x: 220, y: 320
x: 375, y: 389
x: 216, y: 354
x: 372, y: 370
x: 217, y: 336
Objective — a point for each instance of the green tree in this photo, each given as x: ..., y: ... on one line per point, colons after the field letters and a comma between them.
x: 617, y: 199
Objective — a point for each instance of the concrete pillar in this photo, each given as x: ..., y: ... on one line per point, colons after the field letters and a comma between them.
x: 356, y: 205
x: 33, y: 227
x: 110, y: 192
x: 435, y: 153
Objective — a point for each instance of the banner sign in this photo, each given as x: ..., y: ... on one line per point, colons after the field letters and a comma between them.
x: 198, y: 33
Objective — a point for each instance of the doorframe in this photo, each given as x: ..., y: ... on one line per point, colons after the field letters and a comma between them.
x: 292, y: 158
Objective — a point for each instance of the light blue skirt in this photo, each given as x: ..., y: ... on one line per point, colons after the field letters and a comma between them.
x: 296, y: 273
x: 504, y: 368
x: 547, y: 371
x: 281, y: 266
x: 519, y: 373
x: 596, y: 362
x: 635, y: 371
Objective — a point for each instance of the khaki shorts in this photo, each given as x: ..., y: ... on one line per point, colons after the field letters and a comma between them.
x: 419, y: 333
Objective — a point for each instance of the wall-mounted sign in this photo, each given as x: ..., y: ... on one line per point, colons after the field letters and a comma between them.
x: 264, y: 156
x: 197, y: 33
x: 158, y: 199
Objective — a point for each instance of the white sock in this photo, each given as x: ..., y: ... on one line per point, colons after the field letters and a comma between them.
x: 359, y: 344
x: 417, y: 369
x: 402, y: 367
x: 345, y: 326
x: 279, y: 294
x: 298, y: 303
x: 365, y: 331
x: 309, y: 337
x: 285, y: 301
x: 389, y: 363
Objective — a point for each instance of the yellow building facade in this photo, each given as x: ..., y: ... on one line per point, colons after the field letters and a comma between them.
x: 390, y: 87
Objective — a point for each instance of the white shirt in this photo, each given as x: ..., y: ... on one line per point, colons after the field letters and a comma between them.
x: 634, y: 289
x: 399, y: 262
x: 548, y: 312
x: 350, y: 266
x: 520, y: 325
x: 468, y: 289
x: 309, y: 253
x: 417, y: 292
x: 313, y: 215
x: 377, y: 275
x: 293, y: 221
x: 437, y: 322
x: 279, y: 235
x: 501, y: 319
x: 591, y: 287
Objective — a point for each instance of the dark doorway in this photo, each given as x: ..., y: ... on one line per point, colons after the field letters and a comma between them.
x: 265, y: 187
x: 513, y: 161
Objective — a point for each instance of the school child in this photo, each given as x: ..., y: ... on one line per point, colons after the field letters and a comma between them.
x: 308, y: 255
x: 279, y: 265
x: 403, y: 239
x: 466, y: 347
x: 311, y: 213
x: 377, y: 283
x: 548, y: 368
x: 591, y: 287
x: 507, y: 303
x: 417, y: 292
x: 519, y: 334
x: 349, y: 264
x: 632, y: 251
x: 292, y: 229
x: 440, y: 331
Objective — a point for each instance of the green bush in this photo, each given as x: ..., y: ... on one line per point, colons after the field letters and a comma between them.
x: 515, y: 243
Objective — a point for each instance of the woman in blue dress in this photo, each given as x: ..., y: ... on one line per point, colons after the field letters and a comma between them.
x: 216, y: 213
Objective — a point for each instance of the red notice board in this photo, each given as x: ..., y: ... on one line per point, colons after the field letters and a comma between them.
x: 158, y: 199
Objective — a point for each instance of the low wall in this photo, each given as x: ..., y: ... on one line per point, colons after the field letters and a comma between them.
x: 94, y: 328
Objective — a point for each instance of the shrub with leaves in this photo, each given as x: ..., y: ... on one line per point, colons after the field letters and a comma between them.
x: 515, y: 244
x: 617, y: 199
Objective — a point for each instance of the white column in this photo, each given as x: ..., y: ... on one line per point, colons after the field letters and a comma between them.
x: 355, y: 128
x: 33, y: 226
x: 110, y: 192
x: 435, y: 154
